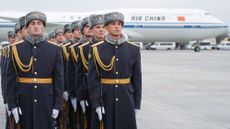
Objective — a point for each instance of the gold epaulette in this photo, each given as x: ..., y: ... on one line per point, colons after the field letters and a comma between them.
x: 98, y: 43
x: 133, y: 44
x: 66, y: 44
x: 84, y: 61
x: 74, y: 44
x: 53, y: 43
x: 84, y: 44
x: 17, y: 43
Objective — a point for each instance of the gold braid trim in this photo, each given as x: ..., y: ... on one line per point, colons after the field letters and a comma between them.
x: 84, y: 61
x: 65, y: 52
x: 73, y: 54
x: 22, y: 67
x: 108, y: 67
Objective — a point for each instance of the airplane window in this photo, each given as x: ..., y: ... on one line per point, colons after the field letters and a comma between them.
x: 206, y: 13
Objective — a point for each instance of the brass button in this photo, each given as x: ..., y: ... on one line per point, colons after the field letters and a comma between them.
x: 35, y: 59
x: 35, y: 73
x: 117, y: 99
x: 117, y: 59
x: 35, y: 47
x: 116, y: 47
x: 35, y: 80
x: 116, y: 86
x: 35, y: 87
x: 117, y: 73
x: 35, y: 100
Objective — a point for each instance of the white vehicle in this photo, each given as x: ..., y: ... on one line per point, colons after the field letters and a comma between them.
x: 202, y: 46
x: 163, y: 46
x: 141, y: 24
x: 224, y: 46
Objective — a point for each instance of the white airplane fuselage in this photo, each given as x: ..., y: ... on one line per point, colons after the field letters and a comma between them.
x: 142, y: 25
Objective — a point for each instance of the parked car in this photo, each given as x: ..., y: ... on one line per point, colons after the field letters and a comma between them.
x: 163, y: 46
x: 224, y: 46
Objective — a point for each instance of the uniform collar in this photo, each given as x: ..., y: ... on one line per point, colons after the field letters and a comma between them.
x: 93, y: 40
x: 83, y: 39
x: 75, y: 40
x: 120, y: 41
x: 35, y: 40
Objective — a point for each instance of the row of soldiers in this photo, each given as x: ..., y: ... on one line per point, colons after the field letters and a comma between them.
x: 87, y: 75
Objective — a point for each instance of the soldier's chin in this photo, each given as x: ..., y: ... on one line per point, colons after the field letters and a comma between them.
x: 36, y: 34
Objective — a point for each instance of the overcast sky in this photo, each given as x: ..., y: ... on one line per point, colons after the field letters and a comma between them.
x: 218, y: 8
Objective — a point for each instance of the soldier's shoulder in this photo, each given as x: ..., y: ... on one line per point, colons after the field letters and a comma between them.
x: 98, y: 43
x: 75, y: 44
x: 53, y: 43
x: 133, y: 44
x: 66, y: 44
x: 17, y: 43
x: 84, y: 44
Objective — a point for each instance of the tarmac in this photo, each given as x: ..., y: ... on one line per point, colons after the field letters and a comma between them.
x: 182, y: 90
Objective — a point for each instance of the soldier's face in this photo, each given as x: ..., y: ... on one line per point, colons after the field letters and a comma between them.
x: 68, y: 35
x: 12, y: 39
x: 35, y: 28
x: 87, y: 31
x: 99, y: 31
x: 60, y: 37
x: 77, y: 33
x: 114, y: 28
x: 19, y: 34
x: 24, y: 31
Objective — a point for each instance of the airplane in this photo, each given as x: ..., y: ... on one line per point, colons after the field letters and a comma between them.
x: 141, y: 24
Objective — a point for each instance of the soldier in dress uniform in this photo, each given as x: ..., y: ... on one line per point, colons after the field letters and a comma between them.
x: 69, y: 107
x: 4, y: 56
x: 114, y: 77
x: 34, y: 77
x: 76, y: 27
x: 96, y: 24
x: 81, y: 79
x: 76, y: 31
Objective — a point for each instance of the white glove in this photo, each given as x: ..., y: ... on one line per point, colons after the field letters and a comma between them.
x: 84, y: 104
x: 7, y: 109
x: 137, y: 111
x: 100, y: 111
x: 74, y: 104
x: 55, y: 113
x: 65, y: 96
x: 16, y: 111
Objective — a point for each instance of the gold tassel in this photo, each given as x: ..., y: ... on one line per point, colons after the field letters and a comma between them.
x: 108, y: 67
x: 74, y: 55
x: 24, y: 68
x: 84, y: 61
